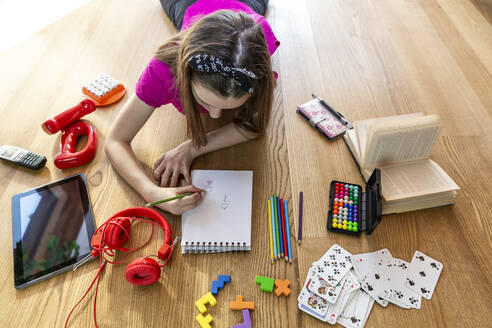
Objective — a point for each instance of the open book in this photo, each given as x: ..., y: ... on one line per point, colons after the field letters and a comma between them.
x: 400, y: 147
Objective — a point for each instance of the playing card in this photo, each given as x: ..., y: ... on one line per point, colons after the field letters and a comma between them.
x: 321, y: 288
x: 401, y: 294
x: 349, y: 309
x: 373, y: 289
x: 334, y: 310
x: 333, y: 265
x: 363, y: 263
x: 362, y: 305
x: 310, y: 302
x: 369, y: 269
x: 422, y: 274
x: 352, y: 285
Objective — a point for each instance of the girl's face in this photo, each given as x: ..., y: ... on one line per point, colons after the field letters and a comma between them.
x: 214, y: 102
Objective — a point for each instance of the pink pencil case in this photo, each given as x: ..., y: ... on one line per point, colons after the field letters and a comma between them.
x: 321, y: 118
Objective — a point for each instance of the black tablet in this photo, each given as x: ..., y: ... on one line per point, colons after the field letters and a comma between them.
x: 52, y: 228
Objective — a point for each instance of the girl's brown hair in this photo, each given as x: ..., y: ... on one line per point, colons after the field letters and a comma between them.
x: 237, y: 39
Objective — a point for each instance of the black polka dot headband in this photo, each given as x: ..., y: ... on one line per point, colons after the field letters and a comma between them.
x: 211, y: 64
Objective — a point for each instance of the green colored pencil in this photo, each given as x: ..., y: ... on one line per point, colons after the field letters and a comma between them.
x: 277, y: 236
x: 168, y: 199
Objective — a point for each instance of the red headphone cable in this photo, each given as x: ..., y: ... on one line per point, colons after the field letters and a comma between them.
x: 103, y: 250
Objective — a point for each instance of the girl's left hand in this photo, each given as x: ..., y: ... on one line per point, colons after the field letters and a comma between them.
x: 172, y: 164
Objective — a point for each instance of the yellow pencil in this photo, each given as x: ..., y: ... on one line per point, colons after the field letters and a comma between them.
x: 270, y: 229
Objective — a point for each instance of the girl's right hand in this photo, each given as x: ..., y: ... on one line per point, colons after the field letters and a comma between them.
x: 177, y: 206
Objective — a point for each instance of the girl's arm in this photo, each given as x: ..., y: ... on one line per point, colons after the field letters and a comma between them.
x: 178, y: 160
x: 131, y: 118
x: 223, y: 137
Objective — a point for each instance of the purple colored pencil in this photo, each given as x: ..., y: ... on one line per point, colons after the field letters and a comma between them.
x: 279, y: 217
x: 299, y: 232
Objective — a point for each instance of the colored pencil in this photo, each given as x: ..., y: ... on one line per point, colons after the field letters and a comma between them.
x: 275, y: 222
x: 299, y: 232
x: 168, y: 199
x: 270, y: 229
x: 284, y: 235
x: 286, y: 209
x: 273, y: 230
x: 279, y: 219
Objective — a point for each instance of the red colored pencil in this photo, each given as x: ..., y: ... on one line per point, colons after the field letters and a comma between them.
x: 284, y: 234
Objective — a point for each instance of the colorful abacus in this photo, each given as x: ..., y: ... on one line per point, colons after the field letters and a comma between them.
x: 344, y: 207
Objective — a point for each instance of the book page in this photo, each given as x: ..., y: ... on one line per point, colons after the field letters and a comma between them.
x: 413, y: 179
x: 400, y: 141
x: 224, y: 214
x: 441, y: 199
x: 360, y: 128
x: 352, y: 143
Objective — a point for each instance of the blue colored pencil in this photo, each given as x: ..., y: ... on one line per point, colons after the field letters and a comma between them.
x: 280, y: 227
x: 288, y: 230
x: 273, y: 229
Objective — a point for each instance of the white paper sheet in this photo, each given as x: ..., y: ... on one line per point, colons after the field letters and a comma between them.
x: 222, y: 221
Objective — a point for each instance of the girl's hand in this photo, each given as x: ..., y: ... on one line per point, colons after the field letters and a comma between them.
x: 176, y: 162
x: 176, y: 206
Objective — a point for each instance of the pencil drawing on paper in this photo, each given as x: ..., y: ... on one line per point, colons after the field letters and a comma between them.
x: 226, y: 202
x: 207, y: 185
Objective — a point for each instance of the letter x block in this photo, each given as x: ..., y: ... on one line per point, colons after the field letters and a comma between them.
x: 282, y: 287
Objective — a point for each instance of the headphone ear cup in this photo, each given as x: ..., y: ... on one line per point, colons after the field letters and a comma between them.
x: 143, y: 271
x: 115, y: 236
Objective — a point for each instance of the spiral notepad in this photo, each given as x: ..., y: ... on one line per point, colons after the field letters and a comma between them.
x: 222, y: 220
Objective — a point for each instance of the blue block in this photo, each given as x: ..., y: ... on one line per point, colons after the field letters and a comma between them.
x: 225, y: 278
x: 219, y: 283
x: 215, y: 287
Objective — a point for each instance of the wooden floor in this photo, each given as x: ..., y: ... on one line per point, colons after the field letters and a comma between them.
x: 367, y: 58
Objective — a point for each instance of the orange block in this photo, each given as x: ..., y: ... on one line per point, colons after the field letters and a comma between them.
x: 239, y: 304
x: 282, y: 287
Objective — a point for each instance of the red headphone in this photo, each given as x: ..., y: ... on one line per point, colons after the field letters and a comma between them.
x: 112, y: 234
x: 115, y: 232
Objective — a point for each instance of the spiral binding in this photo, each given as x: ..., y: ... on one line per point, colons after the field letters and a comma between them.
x: 213, y: 247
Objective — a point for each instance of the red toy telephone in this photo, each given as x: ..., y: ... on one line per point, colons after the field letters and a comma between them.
x: 69, y: 116
x: 68, y: 122
x: 68, y: 157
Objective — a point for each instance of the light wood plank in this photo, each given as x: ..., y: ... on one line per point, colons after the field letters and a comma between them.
x: 367, y: 58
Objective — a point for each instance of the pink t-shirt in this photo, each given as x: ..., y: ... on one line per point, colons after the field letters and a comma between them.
x: 155, y: 87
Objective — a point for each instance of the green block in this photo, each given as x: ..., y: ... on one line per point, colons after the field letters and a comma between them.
x: 266, y: 284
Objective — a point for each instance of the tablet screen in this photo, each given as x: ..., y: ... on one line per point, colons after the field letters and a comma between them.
x: 52, y: 227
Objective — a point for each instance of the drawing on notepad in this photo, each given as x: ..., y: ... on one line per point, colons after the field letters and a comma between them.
x: 226, y: 202
x: 207, y: 185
